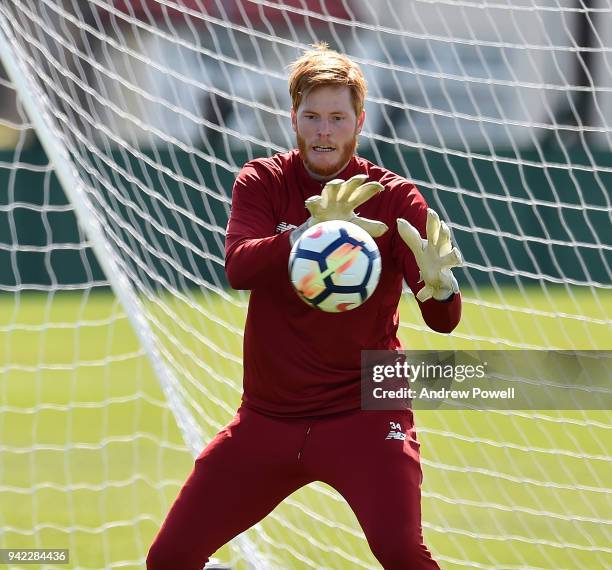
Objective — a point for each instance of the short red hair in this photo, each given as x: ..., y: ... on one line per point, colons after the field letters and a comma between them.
x: 323, y: 66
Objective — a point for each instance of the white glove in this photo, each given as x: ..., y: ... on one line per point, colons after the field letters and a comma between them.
x: 435, y: 256
x: 338, y: 200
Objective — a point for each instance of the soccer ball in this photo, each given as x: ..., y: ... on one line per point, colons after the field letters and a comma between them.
x: 335, y: 266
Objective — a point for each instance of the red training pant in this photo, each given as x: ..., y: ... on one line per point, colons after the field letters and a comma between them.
x: 257, y: 461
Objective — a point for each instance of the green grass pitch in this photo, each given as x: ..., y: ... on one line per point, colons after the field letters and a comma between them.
x: 90, y: 455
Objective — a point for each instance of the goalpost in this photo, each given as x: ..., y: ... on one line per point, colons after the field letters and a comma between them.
x: 123, y: 124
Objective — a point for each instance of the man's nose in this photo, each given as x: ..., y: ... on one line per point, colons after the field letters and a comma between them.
x: 324, y: 127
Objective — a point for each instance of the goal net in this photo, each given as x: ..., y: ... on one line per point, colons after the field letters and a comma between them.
x: 122, y: 126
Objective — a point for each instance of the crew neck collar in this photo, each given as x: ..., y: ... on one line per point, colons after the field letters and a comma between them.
x: 311, y: 186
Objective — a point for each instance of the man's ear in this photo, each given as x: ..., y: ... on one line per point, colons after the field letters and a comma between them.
x: 360, y: 121
x: 293, y: 119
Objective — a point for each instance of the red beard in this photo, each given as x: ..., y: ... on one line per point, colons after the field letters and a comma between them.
x: 346, y: 153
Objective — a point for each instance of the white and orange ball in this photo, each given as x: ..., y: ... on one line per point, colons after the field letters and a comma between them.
x: 335, y: 266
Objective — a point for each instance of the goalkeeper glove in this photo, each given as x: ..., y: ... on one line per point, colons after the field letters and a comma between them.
x: 435, y: 256
x: 338, y: 201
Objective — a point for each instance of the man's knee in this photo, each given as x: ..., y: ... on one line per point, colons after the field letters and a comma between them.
x: 165, y: 557
x: 403, y: 555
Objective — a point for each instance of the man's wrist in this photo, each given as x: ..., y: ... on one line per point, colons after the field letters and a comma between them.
x: 296, y: 233
x: 444, y: 294
x: 446, y: 299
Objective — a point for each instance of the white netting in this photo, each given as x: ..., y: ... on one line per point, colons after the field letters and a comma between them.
x: 499, y: 111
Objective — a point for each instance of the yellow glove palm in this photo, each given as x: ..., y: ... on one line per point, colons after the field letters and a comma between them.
x: 339, y: 199
x: 435, y: 257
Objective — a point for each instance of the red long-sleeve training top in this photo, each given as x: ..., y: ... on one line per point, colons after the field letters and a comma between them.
x: 299, y: 361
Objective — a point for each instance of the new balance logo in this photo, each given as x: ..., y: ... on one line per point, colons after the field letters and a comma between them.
x: 396, y: 432
x: 396, y: 435
x: 284, y: 227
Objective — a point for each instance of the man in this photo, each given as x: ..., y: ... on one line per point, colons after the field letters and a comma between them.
x: 300, y: 419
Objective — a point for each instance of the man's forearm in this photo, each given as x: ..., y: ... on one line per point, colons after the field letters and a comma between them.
x: 252, y: 262
x: 442, y: 316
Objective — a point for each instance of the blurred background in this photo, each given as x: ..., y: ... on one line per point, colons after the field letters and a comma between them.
x: 512, y: 100
x: 514, y: 75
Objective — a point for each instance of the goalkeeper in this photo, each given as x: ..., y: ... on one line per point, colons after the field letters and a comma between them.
x: 300, y: 420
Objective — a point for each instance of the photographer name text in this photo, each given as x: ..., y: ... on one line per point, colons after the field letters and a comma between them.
x: 443, y: 394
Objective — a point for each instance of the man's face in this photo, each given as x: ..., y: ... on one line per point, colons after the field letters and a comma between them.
x: 326, y: 128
